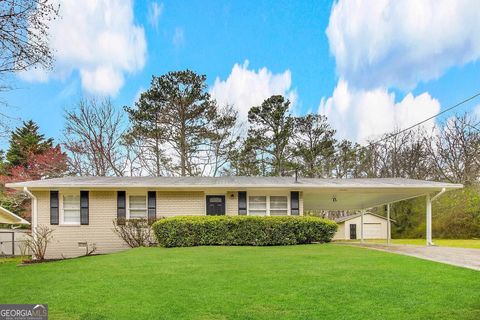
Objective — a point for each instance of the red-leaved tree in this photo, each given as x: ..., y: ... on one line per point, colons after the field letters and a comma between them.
x: 52, y: 163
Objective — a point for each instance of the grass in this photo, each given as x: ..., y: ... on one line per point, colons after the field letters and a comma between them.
x: 10, y: 260
x: 293, y: 282
x: 459, y: 243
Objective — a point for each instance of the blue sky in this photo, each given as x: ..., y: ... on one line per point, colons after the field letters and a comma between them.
x: 369, y: 66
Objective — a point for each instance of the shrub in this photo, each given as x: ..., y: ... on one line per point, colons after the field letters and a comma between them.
x: 242, y: 230
x: 38, y: 243
x: 135, y: 232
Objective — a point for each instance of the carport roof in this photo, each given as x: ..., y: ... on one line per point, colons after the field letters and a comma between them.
x: 231, y: 182
x: 8, y: 217
x: 318, y: 194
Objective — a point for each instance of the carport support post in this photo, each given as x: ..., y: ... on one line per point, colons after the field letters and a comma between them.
x: 388, y: 224
x: 361, y: 226
x: 429, y: 221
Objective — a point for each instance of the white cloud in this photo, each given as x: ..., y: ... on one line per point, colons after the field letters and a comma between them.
x: 99, y: 40
x: 178, y: 38
x: 155, y: 10
x: 245, y: 88
x: 359, y: 115
x: 391, y: 43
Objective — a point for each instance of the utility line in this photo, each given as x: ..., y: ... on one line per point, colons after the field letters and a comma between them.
x: 427, y: 119
x: 421, y: 122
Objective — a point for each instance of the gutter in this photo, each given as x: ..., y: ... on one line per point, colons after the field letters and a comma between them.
x: 298, y: 185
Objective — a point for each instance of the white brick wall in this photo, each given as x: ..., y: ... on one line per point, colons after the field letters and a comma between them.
x: 177, y: 203
x: 231, y: 205
x: 103, y: 210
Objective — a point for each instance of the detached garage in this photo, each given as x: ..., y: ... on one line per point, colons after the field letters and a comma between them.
x: 374, y: 227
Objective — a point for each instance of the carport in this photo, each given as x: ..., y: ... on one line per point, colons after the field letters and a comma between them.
x: 362, y: 194
x: 10, y: 239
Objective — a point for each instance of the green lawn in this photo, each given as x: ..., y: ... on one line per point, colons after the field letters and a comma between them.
x: 293, y: 282
x: 459, y: 243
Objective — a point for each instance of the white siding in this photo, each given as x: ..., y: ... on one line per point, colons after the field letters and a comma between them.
x: 374, y: 228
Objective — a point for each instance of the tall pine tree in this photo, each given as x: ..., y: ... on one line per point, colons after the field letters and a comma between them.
x: 26, y: 142
x: 177, y: 121
x: 314, y: 146
x: 271, y: 131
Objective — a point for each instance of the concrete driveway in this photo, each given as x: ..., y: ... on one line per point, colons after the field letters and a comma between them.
x: 462, y: 257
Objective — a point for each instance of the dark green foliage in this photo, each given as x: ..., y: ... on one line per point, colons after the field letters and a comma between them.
x: 237, y: 231
x: 347, y: 160
x: 456, y: 215
x: 271, y: 131
x: 314, y: 146
x: 25, y: 142
x: 244, y: 161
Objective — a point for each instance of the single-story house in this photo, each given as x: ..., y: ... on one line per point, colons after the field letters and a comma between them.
x: 374, y: 227
x: 81, y: 209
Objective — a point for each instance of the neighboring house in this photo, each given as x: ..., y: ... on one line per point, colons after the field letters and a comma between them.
x: 81, y: 209
x: 374, y: 227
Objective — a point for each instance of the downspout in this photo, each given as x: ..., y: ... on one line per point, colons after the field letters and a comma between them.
x: 429, y: 236
x: 34, y: 210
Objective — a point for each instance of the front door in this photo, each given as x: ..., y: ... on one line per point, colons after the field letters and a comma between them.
x: 353, y: 231
x: 215, y: 205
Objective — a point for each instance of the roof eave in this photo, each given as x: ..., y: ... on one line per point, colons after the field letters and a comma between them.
x: 21, y: 186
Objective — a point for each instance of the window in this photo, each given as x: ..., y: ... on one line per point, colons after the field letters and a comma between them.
x: 257, y: 205
x: 268, y: 205
x: 215, y: 199
x: 71, y: 209
x: 137, y: 207
x: 278, y: 205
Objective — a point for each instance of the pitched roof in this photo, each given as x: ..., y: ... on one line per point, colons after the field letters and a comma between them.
x: 353, y: 216
x: 228, y: 181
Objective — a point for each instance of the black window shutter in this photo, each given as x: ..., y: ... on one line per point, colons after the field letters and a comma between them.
x: 294, y: 203
x: 152, y: 205
x: 84, y: 219
x: 242, y: 203
x: 54, y: 207
x: 121, y: 207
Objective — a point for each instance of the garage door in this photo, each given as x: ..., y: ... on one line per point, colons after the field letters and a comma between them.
x: 372, y: 231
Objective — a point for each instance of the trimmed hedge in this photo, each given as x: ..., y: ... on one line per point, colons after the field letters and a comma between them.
x: 242, y: 230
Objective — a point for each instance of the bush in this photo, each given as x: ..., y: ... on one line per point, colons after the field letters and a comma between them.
x: 38, y: 243
x: 242, y: 230
x: 135, y: 232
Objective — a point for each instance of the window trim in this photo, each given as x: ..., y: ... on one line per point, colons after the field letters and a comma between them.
x: 62, y: 208
x: 268, y: 195
x: 127, y: 203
